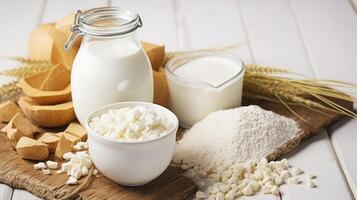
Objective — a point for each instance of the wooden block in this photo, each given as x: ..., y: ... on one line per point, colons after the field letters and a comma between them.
x: 57, y: 79
x: 31, y: 149
x: 31, y: 88
x: 7, y: 127
x: 50, y: 139
x: 14, y: 135
x: 18, y: 127
x: 72, y: 138
x: 24, y: 125
x: 161, y: 91
x: 156, y: 54
x: 77, y: 130
x: 64, y: 146
x: 8, y: 110
x: 60, y: 134
x: 59, y: 55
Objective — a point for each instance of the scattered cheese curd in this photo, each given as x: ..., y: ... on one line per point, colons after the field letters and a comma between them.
x: 80, y: 146
x: 40, y: 165
x: 46, y: 171
x: 67, y: 156
x: 311, y: 183
x: 71, y: 181
x: 52, y: 164
x: 231, y: 181
x: 77, y: 166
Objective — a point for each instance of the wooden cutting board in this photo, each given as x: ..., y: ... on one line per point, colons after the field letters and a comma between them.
x: 19, y: 173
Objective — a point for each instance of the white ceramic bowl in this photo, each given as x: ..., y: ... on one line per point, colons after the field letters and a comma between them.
x: 132, y: 163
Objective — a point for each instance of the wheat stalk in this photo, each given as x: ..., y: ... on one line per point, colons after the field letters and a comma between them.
x: 170, y: 55
x: 28, y: 67
x: 9, y: 89
x: 24, y: 71
x: 259, y: 69
x: 29, y: 61
x: 288, y: 91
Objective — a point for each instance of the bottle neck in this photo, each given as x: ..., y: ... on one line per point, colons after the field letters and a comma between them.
x: 103, y: 24
x: 127, y: 38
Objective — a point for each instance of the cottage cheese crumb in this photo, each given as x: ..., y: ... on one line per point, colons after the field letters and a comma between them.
x: 80, y: 146
x: 296, y: 171
x: 84, y: 171
x: 40, y: 165
x: 200, y: 195
x: 52, y: 164
x: 311, y: 183
x: 131, y: 124
x: 294, y: 180
x: 310, y: 176
x: 67, y: 156
x: 46, y: 171
x: 72, y: 181
x: 78, y: 165
x: 233, y: 180
x: 275, y: 190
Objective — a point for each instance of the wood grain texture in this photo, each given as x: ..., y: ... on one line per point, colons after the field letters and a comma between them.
x: 159, y: 20
x: 273, y: 36
x: 23, y: 194
x: 276, y: 41
x: 343, y: 137
x: 5, y: 192
x: 332, y: 47
x: 15, y: 32
x: 329, y: 29
x: 13, y: 39
x: 211, y: 24
x: 55, y: 10
x: 20, y: 173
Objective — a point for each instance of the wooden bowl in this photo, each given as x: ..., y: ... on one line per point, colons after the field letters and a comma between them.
x: 47, y: 115
x: 30, y: 86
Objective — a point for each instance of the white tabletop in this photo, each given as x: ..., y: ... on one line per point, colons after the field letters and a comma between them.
x: 315, y: 37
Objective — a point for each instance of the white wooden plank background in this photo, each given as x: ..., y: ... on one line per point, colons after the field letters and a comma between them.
x: 317, y: 38
x: 332, y: 47
x: 13, y: 39
x: 276, y: 41
x: 159, y: 22
x: 55, y: 10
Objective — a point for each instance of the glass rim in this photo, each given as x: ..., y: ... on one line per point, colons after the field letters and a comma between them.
x: 121, y: 21
x: 187, y: 57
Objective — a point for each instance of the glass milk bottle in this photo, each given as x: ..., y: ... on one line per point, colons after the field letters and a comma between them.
x: 110, y: 66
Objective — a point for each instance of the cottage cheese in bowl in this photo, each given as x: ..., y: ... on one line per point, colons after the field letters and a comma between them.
x: 132, y: 143
x: 136, y: 123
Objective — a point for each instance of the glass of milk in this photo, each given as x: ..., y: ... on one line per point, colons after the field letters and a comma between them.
x: 110, y: 66
x: 203, y: 82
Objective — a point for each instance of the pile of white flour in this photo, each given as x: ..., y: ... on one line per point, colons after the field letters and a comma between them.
x: 234, y: 136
